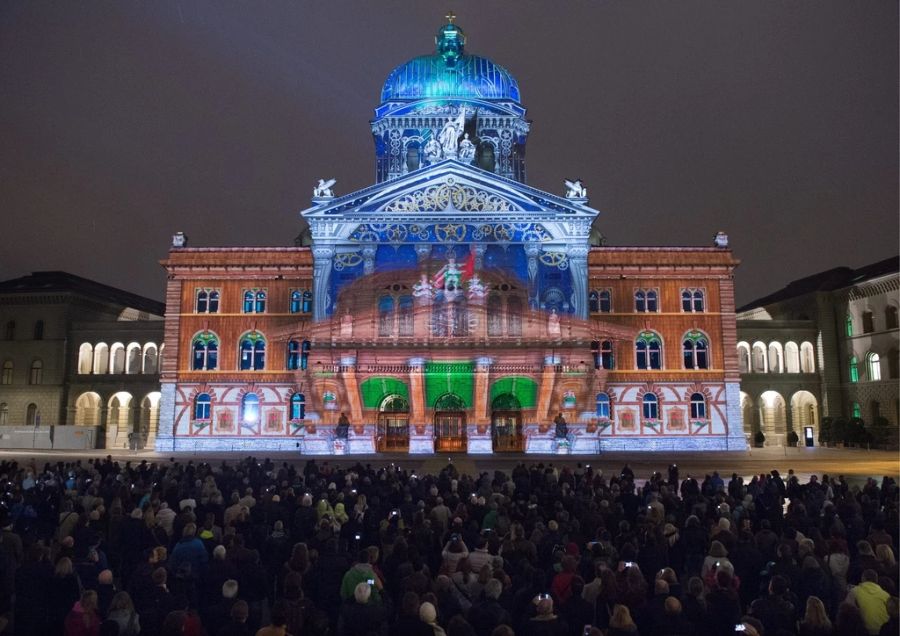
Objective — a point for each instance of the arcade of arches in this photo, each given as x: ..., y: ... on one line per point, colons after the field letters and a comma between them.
x: 120, y: 414
x: 775, y: 416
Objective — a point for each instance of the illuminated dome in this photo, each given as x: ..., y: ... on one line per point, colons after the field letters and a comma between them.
x: 449, y: 72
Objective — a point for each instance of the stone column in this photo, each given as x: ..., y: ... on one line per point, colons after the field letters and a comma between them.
x: 578, y: 270
x: 545, y: 391
x: 368, y: 252
x: 481, y: 390
x: 421, y: 437
x: 351, y: 387
x: 533, y: 250
x: 322, y: 264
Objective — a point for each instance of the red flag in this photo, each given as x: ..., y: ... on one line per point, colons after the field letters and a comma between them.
x: 469, y: 266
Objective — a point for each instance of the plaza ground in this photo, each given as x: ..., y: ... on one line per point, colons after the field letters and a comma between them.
x: 852, y: 463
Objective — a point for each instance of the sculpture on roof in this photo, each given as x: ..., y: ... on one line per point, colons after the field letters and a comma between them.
x: 466, y: 149
x: 575, y: 189
x: 450, y: 133
x: 323, y: 189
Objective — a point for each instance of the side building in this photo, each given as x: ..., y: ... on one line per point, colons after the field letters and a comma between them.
x: 823, y: 346
x: 77, y: 352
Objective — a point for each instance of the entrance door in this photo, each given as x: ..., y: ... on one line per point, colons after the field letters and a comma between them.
x: 506, y: 423
x: 808, y: 436
x: 449, y: 424
x: 393, y: 424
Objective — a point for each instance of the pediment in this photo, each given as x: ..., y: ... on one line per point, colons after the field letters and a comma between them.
x: 446, y: 187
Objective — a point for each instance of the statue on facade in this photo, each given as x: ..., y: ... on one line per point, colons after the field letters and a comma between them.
x: 466, y: 149
x: 721, y: 239
x: 575, y: 189
x: 450, y: 133
x: 342, y: 430
x: 323, y: 188
x: 451, y: 274
x: 422, y: 290
x: 476, y: 289
x: 553, y: 323
x: 347, y: 325
x: 432, y: 151
x: 562, y: 429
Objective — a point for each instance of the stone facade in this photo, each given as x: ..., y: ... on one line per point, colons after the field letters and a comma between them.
x: 824, y: 346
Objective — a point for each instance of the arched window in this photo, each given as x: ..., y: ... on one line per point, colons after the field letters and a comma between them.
x: 117, y: 358
x: 744, y: 357
x: 848, y: 325
x: 248, y: 301
x: 4, y: 414
x: 304, y: 355
x: 603, y: 406
x: 855, y: 410
x: 650, y: 405
x: 202, y: 407
x: 758, y: 358
x: 7, y: 376
x: 307, y: 302
x: 386, y: 316
x: 686, y: 304
x: 890, y: 317
x: 37, y: 372
x: 214, y: 302
x: 298, y: 406
x: 252, y: 349
x: 296, y: 301
x: 405, y: 316
x: 699, y: 300
x: 250, y: 409
x: 85, y: 358
x: 640, y: 301
x: 293, y: 355
x: 134, y: 358
x: 513, y: 316
x: 648, y: 350
x: 32, y: 415
x: 151, y: 359
x: 101, y: 358
x: 494, y: 315
x: 260, y: 302
x: 652, y: 305
x: 854, y: 369
x: 807, y: 358
x: 594, y: 302
x: 202, y: 301
x: 39, y: 330
x: 605, y: 301
x: 873, y: 364
x: 868, y: 322
x: 206, y: 352
x: 698, y: 406
x: 695, y: 348
x: 791, y: 357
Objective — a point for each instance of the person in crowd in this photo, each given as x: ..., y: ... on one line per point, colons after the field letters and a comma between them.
x: 871, y: 599
x: 123, y: 614
x: 621, y: 623
x: 815, y: 619
x: 83, y: 619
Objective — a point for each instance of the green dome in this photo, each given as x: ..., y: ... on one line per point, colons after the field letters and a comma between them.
x: 450, y: 73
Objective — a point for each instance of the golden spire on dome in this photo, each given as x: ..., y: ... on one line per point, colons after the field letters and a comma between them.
x: 450, y: 17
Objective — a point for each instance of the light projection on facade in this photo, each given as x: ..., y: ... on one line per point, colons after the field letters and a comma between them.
x: 451, y: 306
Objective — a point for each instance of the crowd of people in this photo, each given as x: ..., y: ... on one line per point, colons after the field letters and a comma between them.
x: 257, y: 547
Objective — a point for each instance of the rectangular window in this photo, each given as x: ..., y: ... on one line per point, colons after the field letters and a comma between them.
x: 868, y: 322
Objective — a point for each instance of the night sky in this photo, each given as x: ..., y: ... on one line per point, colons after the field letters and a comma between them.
x: 123, y: 122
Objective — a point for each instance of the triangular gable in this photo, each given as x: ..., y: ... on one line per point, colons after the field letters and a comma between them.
x: 449, y: 186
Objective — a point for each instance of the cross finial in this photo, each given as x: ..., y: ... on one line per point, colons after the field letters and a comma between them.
x: 450, y: 17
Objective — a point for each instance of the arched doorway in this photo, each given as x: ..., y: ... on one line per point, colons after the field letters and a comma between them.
x: 805, y: 417
x: 773, y: 419
x: 149, y: 420
x: 87, y: 409
x: 393, y: 424
x: 449, y: 423
x: 506, y: 423
x: 119, y: 421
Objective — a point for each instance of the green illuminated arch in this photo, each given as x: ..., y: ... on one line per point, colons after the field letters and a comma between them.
x: 521, y: 388
x: 374, y: 390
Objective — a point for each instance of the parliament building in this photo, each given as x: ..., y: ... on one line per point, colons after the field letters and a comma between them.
x: 450, y: 306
